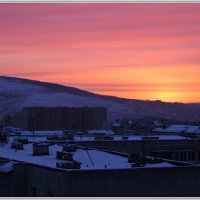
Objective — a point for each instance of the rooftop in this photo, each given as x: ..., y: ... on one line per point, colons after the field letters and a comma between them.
x: 179, y: 129
x: 91, y: 159
x: 91, y: 137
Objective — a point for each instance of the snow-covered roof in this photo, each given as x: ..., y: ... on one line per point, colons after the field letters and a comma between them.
x: 163, y: 164
x: 106, y: 132
x: 42, y: 133
x: 179, y: 129
x: 91, y: 137
x: 133, y: 137
x: 116, y: 124
x: 7, y: 167
x: 115, y: 138
x: 160, y: 137
x: 100, y: 159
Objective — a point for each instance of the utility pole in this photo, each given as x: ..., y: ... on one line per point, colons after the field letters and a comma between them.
x: 6, y: 127
x: 33, y: 128
x: 186, y: 126
x: 89, y: 156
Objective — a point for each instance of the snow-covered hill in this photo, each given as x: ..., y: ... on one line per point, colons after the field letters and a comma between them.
x: 16, y: 93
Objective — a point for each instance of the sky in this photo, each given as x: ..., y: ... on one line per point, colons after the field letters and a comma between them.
x: 148, y: 51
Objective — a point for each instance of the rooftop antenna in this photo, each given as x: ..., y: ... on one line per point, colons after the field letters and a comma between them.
x: 33, y: 128
x: 137, y: 111
x: 89, y: 156
x: 6, y: 125
x: 186, y: 126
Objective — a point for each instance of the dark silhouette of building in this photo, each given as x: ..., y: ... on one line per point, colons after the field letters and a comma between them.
x: 32, y: 180
x: 59, y: 118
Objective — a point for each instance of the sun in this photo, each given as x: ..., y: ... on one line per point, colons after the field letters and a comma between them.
x: 168, y: 96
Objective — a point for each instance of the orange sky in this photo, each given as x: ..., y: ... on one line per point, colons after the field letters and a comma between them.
x: 140, y: 51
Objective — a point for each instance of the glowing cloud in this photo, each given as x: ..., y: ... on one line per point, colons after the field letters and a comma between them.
x: 131, y: 50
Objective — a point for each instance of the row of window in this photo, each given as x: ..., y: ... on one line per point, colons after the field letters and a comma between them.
x: 179, y: 155
x: 185, y: 156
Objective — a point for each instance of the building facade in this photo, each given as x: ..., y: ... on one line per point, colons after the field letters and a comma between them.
x: 179, y: 150
x: 60, y: 118
x: 29, y: 180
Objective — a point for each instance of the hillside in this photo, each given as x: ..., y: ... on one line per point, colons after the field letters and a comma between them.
x: 16, y: 93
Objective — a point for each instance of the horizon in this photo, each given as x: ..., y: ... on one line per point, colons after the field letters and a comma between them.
x: 135, y: 50
x: 93, y: 92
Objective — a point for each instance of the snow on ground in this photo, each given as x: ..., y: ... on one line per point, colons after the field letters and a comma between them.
x: 17, y: 93
x: 180, y: 129
x: 37, y: 95
x: 67, y: 99
x: 18, y: 85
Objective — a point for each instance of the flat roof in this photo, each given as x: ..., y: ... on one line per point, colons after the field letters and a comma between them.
x: 179, y: 129
x: 100, y: 159
x: 44, y: 134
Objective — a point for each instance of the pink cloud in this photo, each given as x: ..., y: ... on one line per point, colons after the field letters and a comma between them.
x: 76, y: 39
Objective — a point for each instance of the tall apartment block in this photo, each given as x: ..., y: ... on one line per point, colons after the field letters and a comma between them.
x: 59, y: 118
